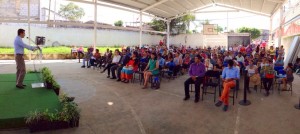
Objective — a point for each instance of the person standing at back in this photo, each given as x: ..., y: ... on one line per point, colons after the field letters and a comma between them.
x: 19, y: 46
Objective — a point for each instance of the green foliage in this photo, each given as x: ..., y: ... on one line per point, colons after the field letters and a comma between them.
x: 177, y: 26
x: 47, y: 75
x: 69, y: 112
x: 56, y: 85
x: 119, y: 23
x: 32, y: 71
x: 181, y: 24
x: 158, y: 25
x: 71, y: 11
x: 189, y: 32
x: 206, y: 22
x: 255, y: 33
x: 219, y: 29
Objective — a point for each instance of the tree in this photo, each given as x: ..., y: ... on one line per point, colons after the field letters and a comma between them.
x: 181, y: 24
x: 255, y: 33
x: 119, y: 23
x: 71, y: 11
x: 206, y: 22
x: 177, y: 26
x: 219, y: 29
x: 158, y: 25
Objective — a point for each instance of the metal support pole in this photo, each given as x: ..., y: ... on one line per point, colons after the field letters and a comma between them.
x: 54, y: 14
x: 227, y: 23
x: 141, y: 28
x: 245, y: 102
x: 49, y: 10
x: 95, y: 25
x: 297, y: 106
x: 168, y: 34
x: 271, y: 31
x: 280, y: 27
x: 28, y: 22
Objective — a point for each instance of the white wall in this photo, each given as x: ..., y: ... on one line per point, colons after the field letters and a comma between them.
x: 76, y: 36
x: 199, y: 40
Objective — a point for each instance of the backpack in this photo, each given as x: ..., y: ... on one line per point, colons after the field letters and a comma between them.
x: 155, y: 82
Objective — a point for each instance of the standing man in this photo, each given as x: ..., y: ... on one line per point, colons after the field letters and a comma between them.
x: 196, y: 72
x: 19, y: 53
x: 229, y: 76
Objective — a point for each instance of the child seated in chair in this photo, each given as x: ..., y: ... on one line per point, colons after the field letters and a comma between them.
x: 289, y: 76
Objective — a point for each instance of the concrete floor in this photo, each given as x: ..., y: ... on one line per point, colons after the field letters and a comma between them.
x: 140, y: 111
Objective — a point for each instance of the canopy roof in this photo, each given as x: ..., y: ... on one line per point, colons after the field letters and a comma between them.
x: 172, y: 8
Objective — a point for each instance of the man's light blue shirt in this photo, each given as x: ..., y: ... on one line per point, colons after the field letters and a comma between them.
x: 230, y: 73
x: 161, y: 61
x: 20, y: 45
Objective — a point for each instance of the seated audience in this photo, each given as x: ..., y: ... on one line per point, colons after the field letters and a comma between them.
x: 115, y: 61
x: 95, y: 57
x: 229, y: 76
x: 186, y: 62
x: 279, y: 62
x: 74, y: 52
x: 87, y: 58
x: 161, y: 61
x: 130, y: 68
x: 118, y: 67
x: 267, y: 73
x: 208, y: 64
x: 151, y: 69
x: 253, y: 74
x: 178, y: 63
x: 196, y: 73
x: 289, y: 76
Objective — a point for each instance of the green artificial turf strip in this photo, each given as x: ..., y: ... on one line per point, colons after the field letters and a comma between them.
x: 15, y: 104
x: 12, y: 77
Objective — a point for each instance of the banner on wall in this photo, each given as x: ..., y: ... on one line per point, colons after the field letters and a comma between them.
x: 288, y: 30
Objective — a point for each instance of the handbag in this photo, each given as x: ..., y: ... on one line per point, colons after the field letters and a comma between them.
x: 270, y: 75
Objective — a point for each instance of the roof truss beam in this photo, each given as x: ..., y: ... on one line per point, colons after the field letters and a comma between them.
x: 154, y: 5
x: 242, y: 9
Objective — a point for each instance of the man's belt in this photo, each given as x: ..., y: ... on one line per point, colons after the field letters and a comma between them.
x: 20, y: 54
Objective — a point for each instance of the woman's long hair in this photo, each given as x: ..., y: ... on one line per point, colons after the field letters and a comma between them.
x: 136, y: 60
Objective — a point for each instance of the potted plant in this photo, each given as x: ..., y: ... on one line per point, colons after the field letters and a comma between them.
x: 67, y: 117
x: 41, y: 121
x: 70, y: 110
x: 56, y: 88
x: 49, y: 80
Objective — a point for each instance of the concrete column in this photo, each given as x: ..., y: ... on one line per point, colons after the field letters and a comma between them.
x: 168, y: 34
x: 280, y: 27
x: 28, y: 22
x: 95, y: 25
x: 141, y: 29
x: 271, y: 31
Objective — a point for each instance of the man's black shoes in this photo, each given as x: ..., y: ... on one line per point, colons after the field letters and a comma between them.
x: 219, y: 103
x: 20, y: 87
x: 186, y: 98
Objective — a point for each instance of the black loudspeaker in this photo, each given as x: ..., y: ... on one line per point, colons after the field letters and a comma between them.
x: 39, y: 40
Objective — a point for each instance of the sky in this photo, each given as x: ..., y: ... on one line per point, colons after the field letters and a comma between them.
x: 110, y: 15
